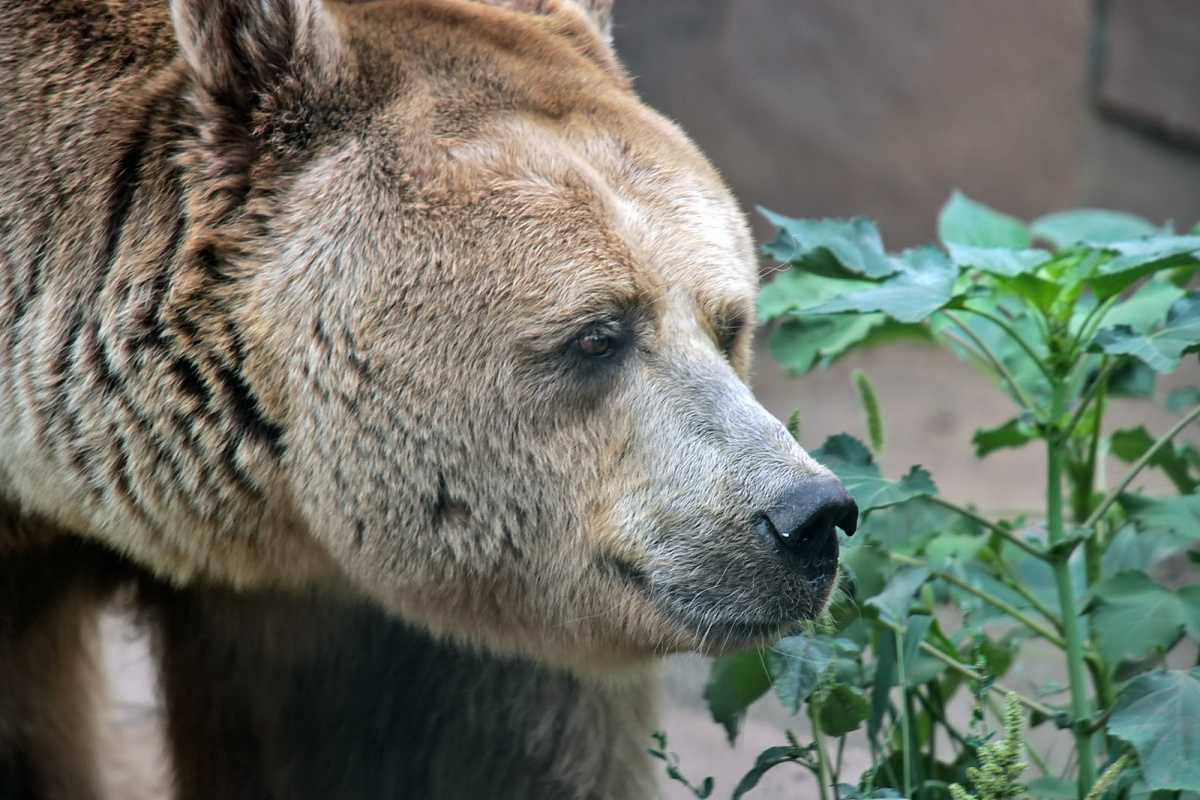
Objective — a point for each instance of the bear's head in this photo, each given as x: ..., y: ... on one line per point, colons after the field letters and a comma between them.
x: 502, y: 312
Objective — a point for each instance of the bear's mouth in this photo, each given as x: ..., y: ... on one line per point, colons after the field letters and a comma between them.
x: 718, y: 629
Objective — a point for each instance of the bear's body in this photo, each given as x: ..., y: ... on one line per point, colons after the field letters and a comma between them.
x: 395, y: 353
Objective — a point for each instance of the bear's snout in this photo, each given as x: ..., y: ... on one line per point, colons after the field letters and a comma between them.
x: 800, y: 525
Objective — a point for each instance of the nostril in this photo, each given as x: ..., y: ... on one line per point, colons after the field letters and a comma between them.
x: 806, y: 516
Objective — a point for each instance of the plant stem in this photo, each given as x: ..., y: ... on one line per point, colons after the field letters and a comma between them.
x: 1086, y: 330
x: 967, y: 672
x: 1016, y: 337
x: 905, y: 722
x: 1097, y: 385
x: 1082, y: 493
x: 999, y: 530
x: 1056, y: 444
x: 819, y: 739
x: 1138, y: 466
x: 987, y: 597
x: 1030, y: 598
x: 995, y: 361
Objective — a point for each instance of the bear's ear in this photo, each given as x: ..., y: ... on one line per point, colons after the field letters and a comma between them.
x: 236, y: 49
x: 597, y: 12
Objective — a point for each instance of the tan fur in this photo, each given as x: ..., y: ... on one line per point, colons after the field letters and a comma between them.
x: 290, y: 302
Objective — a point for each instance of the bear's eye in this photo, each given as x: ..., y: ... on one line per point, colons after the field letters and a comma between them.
x: 596, y: 345
x: 727, y: 332
x: 601, y: 341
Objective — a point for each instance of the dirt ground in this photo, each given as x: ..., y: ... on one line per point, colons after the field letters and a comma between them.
x: 931, y: 405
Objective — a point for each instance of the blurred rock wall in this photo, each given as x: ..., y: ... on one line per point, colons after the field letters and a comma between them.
x: 878, y: 108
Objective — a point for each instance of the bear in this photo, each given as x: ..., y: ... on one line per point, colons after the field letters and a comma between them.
x: 391, y: 358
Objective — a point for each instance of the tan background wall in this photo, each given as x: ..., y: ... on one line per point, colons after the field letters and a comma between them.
x: 881, y: 107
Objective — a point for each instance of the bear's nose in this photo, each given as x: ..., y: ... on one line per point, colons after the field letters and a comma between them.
x: 803, y: 519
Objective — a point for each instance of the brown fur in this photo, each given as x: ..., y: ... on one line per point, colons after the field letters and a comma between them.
x: 292, y: 298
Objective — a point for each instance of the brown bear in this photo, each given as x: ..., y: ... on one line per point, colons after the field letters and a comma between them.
x: 396, y: 355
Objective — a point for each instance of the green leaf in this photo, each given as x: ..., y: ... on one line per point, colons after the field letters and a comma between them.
x: 964, y: 221
x: 850, y: 460
x: 771, y: 757
x: 1180, y: 399
x: 1014, y: 433
x: 1130, y: 444
x: 1180, y: 514
x: 1158, y: 713
x: 1132, y: 616
x: 1090, y: 226
x: 1132, y: 378
x: 924, y: 285
x: 797, y: 664
x: 914, y: 633
x: 792, y: 290
x: 1147, y: 308
x: 833, y: 248
x: 1041, y: 292
x: 885, y: 679
x: 894, y: 602
x: 1136, y: 259
x: 1053, y: 787
x: 734, y: 683
x: 1131, y: 549
x: 843, y: 708
x: 1005, y: 261
x: 869, y: 567
x: 1162, y: 349
x: 801, y: 344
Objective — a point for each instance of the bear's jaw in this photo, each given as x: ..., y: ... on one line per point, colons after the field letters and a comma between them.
x: 732, y: 620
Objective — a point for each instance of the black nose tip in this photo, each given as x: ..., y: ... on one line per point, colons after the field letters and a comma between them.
x: 804, y: 518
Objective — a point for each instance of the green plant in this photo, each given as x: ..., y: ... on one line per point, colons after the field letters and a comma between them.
x: 1062, y: 315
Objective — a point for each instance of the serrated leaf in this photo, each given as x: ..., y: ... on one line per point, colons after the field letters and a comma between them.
x: 1162, y: 349
x: 915, y: 629
x: 797, y: 664
x: 885, y: 679
x: 897, y: 598
x: 966, y: 222
x: 842, y: 709
x: 1158, y: 713
x: 1006, y: 261
x: 1133, y: 378
x: 850, y: 460
x: 1130, y: 444
x: 1132, y: 616
x: 833, y: 248
x: 924, y: 284
x: 1131, y: 549
x: 1147, y: 308
x: 1041, y: 292
x: 869, y: 567
x: 1012, y: 434
x: 771, y: 757
x: 735, y: 682
x: 1138, y: 258
x: 1180, y: 514
x: 792, y: 290
x: 1090, y: 226
x: 805, y: 343
x: 872, y: 493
